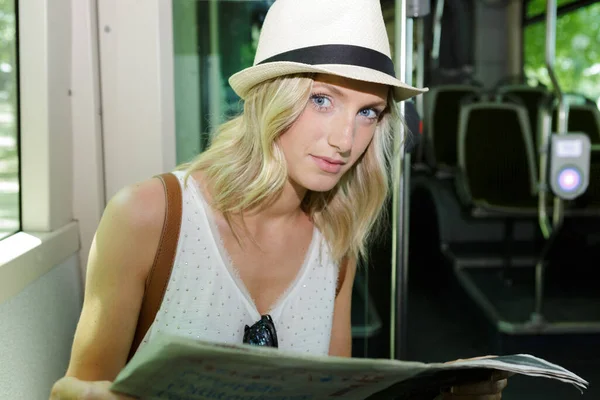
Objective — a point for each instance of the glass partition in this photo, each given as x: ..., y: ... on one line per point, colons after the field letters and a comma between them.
x: 9, y: 133
x: 213, y: 40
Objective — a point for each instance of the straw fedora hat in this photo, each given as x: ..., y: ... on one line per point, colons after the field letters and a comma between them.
x: 347, y: 38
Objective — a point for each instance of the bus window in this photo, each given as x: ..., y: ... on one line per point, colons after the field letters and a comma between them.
x: 538, y: 7
x: 9, y: 154
x: 577, y: 55
x: 212, y: 40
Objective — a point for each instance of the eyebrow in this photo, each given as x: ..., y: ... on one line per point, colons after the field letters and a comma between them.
x: 332, y: 88
x: 338, y: 92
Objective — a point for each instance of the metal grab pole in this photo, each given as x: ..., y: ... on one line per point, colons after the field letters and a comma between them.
x: 214, y: 69
x: 399, y: 195
x: 563, y: 108
x: 419, y: 26
x: 549, y: 230
x: 420, y: 78
x: 563, y: 111
x: 405, y: 12
x: 437, y: 34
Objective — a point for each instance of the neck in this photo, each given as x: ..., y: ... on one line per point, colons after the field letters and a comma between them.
x: 285, y: 207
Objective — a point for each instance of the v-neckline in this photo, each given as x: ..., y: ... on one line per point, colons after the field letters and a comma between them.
x: 233, y: 272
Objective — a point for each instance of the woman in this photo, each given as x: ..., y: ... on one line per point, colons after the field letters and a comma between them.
x: 275, y: 213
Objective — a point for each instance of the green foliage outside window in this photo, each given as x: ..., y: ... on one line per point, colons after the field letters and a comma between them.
x: 9, y: 157
x: 537, y: 7
x: 577, y: 63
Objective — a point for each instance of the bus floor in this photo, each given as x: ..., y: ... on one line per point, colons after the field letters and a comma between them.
x: 444, y: 324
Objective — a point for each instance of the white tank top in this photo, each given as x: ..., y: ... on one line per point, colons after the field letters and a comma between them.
x: 205, y: 299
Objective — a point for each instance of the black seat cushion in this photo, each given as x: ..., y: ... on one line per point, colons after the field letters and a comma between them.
x: 446, y: 111
x: 497, y: 167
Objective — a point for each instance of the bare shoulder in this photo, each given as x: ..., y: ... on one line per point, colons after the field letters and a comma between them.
x: 139, y: 205
x: 120, y: 258
x: 135, y: 216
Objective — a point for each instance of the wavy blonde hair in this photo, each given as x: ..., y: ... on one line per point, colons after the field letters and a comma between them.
x: 245, y: 169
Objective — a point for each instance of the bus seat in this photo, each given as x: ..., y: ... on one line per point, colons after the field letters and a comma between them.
x: 588, y: 204
x: 592, y: 194
x: 496, y: 159
x: 533, y: 98
x: 583, y: 118
x: 441, y: 127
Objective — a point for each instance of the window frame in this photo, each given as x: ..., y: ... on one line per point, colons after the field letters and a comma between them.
x: 541, y: 19
x: 138, y: 101
x: 45, y: 147
x: 17, y: 120
x: 564, y: 9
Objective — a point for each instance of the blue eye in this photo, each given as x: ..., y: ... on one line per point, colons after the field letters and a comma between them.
x: 369, y: 113
x: 320, y: 101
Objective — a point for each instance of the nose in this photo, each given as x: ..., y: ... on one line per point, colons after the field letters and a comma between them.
x: 342, y: 132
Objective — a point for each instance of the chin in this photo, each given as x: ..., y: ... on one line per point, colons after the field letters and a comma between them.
x: 320, y: 183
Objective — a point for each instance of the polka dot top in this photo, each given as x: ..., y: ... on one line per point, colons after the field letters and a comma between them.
x: 205, y: 299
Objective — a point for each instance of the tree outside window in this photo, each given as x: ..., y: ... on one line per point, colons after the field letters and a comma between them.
x: 577, y: 62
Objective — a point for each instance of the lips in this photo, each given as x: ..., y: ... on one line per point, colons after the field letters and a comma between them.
x: 331, y: 160
x: 327, y: 164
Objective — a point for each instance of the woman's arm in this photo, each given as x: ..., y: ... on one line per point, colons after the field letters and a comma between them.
x: 70, y: 388
x: 120, y: 258
x: 341, y: 331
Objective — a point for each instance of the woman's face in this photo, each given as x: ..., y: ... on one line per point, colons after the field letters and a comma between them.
x: 333, y: 131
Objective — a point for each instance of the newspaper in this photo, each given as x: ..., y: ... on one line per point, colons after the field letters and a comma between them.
x: 177, y: 368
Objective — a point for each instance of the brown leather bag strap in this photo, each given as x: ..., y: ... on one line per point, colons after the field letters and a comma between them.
x: 158, y: 278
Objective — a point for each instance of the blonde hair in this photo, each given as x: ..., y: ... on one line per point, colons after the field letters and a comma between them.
x: 245, y: 169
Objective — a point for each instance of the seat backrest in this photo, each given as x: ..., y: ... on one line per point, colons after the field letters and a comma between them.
x: 441, y: 128
x: 496, y: 155
x: 584, y: 118
x: 593, y: 191
x: 533, y: 98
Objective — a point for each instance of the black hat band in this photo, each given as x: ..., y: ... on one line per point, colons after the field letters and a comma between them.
x: 343, y: 54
